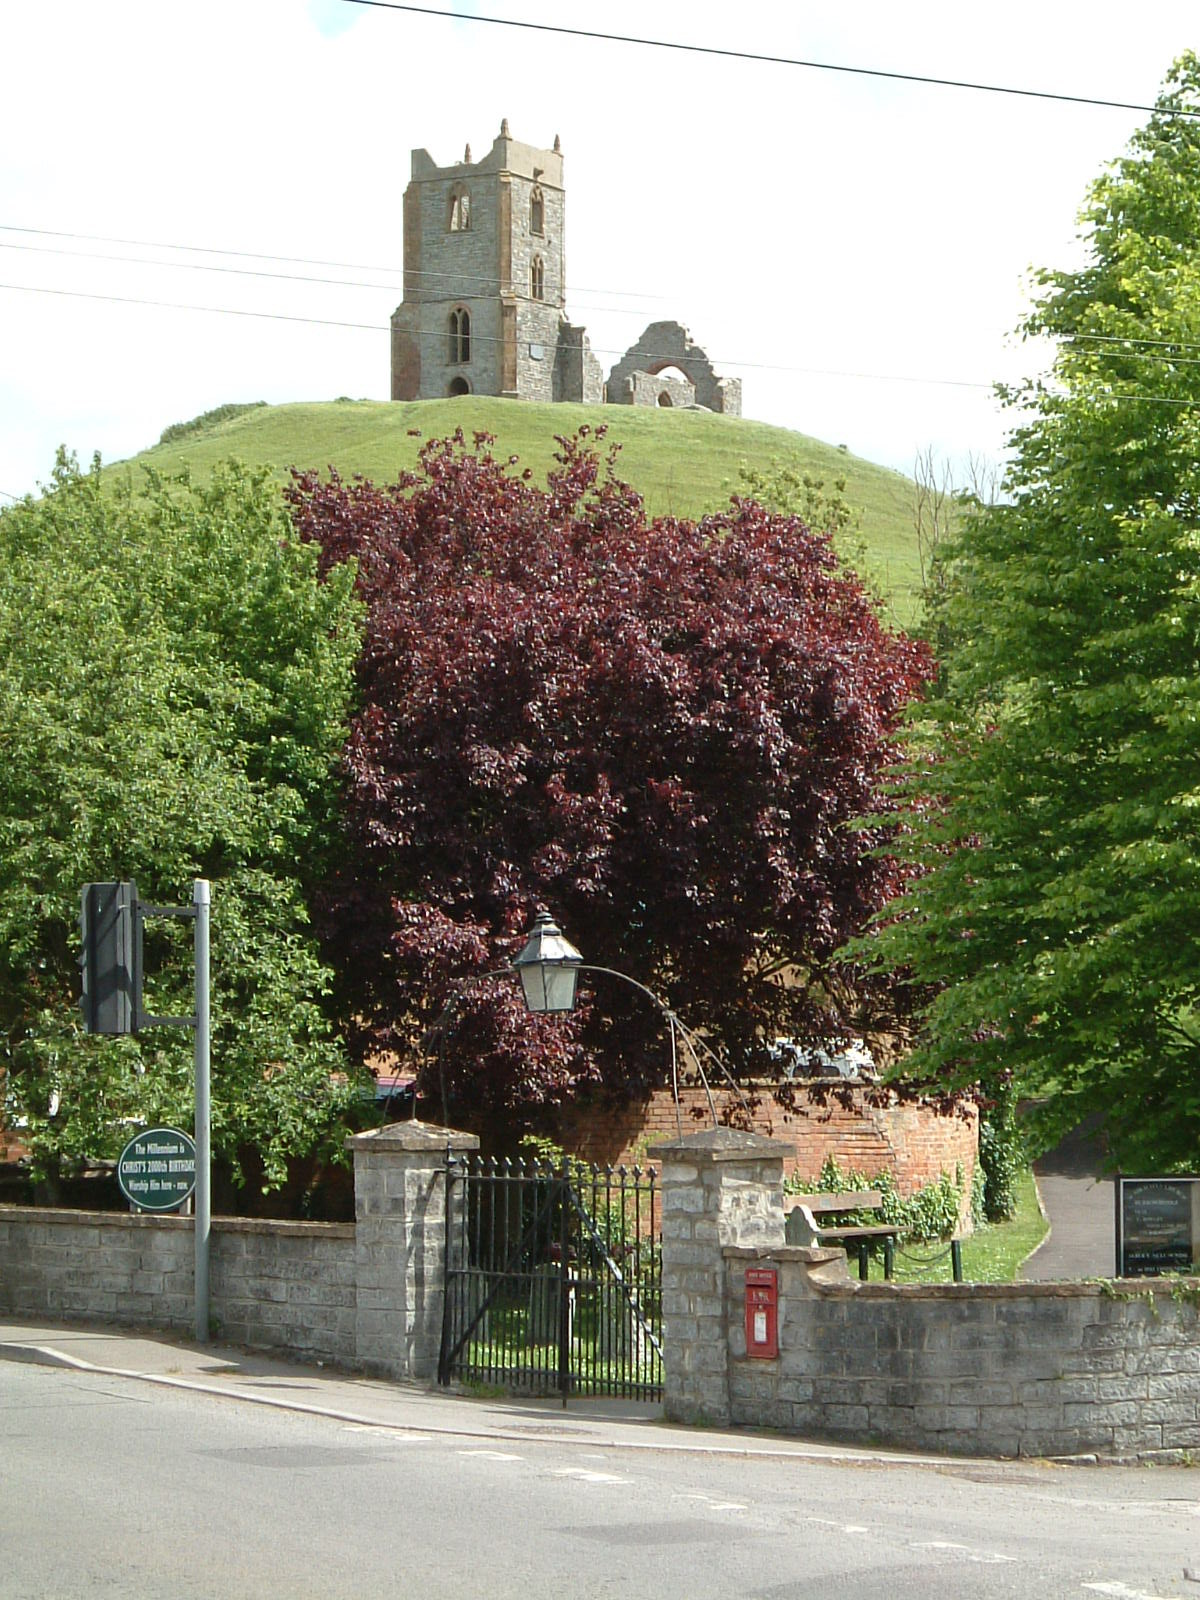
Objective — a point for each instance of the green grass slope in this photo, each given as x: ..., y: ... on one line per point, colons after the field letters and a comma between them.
x: 684, y: 463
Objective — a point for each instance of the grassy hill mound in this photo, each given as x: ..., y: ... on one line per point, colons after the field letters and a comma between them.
x: 685, y: 463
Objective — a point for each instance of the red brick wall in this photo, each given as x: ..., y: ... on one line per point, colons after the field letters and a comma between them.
x: 11, y: 1148
x: 911, y: 1141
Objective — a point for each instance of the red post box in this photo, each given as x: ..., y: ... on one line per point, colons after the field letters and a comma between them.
x: 762, y: 1313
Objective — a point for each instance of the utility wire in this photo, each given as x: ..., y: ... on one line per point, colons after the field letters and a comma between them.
x: 623, y: 311
x: 489, y: 282
x: 485, y: 285
x: 296, y: 261
x: 478, y: 338
x: 770, y: 60
x: 175, y: 305
x: 1125, y: 338
x: 377, y: 328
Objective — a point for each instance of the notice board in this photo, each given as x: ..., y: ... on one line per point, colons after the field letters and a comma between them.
x: 1158, y: 1225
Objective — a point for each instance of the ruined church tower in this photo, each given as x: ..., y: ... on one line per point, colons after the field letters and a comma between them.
x: 484, y: 273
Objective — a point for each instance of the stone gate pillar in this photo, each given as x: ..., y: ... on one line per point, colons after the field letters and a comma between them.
x: 400, y: 1245
x: 722, y: 1187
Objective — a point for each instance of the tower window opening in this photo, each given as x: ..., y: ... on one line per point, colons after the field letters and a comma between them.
x: 460, y: 210
x: 537, y: 212
x: 537, y: 279
x: 460, y: 336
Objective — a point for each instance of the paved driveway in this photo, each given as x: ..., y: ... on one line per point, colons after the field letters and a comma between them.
x: 1079, y: 1203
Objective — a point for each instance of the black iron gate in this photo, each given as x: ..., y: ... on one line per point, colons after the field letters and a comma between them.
x: 553, y: 1278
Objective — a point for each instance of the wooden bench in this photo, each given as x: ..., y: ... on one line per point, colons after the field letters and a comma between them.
x: 802, y: 1226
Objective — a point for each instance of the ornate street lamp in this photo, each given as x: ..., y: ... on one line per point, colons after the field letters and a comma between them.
x: 548, y: 967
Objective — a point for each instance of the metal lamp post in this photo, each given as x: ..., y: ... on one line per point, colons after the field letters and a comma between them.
x: 549, y: 966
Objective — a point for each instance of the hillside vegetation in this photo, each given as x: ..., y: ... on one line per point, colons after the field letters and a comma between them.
x: 684, y: 463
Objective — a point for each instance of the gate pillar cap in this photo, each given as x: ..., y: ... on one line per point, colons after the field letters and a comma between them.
x: 413, y: 1136
x: 721, y: 1144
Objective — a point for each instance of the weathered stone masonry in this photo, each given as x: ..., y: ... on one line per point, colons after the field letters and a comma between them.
x: 367, y: 1295
x: 484, y: 307
x: 1025, y: 1369
x: 1006, y: 1370
x: 484, y: 282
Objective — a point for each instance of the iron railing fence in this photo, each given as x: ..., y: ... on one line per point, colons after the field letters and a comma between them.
x: 553, y: 1278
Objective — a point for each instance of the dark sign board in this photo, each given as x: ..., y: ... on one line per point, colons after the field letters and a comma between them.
x: 1157, y: 1225
x: 156, y: 1170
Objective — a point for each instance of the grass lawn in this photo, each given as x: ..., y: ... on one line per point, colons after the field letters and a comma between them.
x: 991, y: 1255
x: 684, y: 463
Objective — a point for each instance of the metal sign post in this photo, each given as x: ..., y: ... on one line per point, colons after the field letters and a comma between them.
x: 203, y: 1209
x: 111, y: 924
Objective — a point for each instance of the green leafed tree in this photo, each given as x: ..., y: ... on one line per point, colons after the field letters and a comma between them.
x: 1056, y: 776
x: 174, y: 689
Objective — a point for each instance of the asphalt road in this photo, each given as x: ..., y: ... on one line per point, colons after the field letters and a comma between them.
x: 114, y: 1487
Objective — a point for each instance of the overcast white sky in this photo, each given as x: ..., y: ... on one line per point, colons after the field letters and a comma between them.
x: 856, y: 250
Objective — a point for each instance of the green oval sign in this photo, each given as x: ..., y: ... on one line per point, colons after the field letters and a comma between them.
x: 156, y: 1170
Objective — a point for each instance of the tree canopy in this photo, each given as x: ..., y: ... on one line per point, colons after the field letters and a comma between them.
x: 663, y: 732
x: 174, y: 690
x: 1054, y: 780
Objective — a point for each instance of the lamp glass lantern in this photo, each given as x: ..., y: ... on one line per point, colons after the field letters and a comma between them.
x: 549, y: 967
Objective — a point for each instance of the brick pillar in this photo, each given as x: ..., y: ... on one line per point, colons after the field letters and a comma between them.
x: 400, y: 1245
x: 719, y: 1188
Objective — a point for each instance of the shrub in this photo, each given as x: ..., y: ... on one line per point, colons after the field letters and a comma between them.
x: 931, y: 1213
x: 206, y: 420
x: 1001, y: 1155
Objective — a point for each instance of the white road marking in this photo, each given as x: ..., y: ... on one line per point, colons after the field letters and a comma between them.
x: 980, y: 1557
x: 491, y: 1455
x: 1122, y: 1591
x: 842, y: 1527
x: 387, y: 1433
x: 713, y: 1505
x: 583, y: 1476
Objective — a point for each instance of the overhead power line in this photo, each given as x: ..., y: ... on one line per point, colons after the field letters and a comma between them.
x: 483, y: 285
x: 176, y: 305
x: 259, y: 255
x: 1154, y: 353
x: 749, y: 366
x: 476, y: 338
x: 765, y: 58
x: 1142, y: 349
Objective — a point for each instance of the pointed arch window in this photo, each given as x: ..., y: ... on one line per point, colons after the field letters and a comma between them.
x: 460, y: 336
x: 460, y: 209
x: 537, y: 279
x: 537, y: 211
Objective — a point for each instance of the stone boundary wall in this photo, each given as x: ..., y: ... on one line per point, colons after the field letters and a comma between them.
x: 366, y: 1294
x: 1038, y: 1369
x: 287, y: 1285
x: 911, y: 1141
x: 1104, y: 1370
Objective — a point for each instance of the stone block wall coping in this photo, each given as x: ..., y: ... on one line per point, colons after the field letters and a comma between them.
x: 55, y: 1216
x: 1122, y: 1289
x: 59, y: 1216
x: 810, y: 1255
x: 413, y: 1136
x: 284, y: 1229
x: 1108, y: 1288
x: 721, y: 1144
